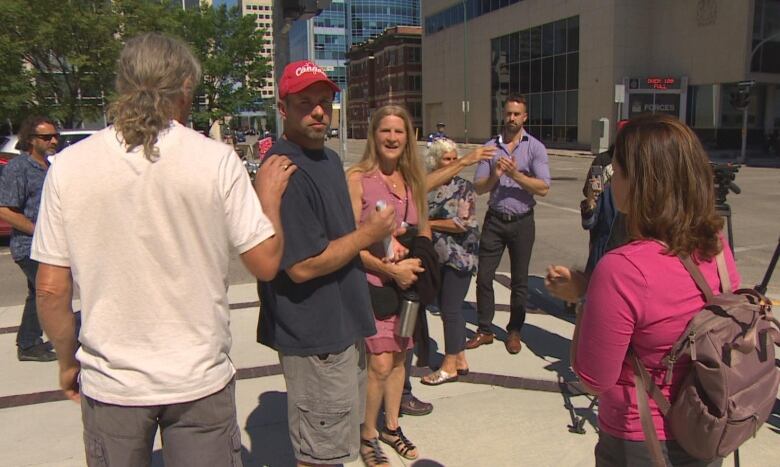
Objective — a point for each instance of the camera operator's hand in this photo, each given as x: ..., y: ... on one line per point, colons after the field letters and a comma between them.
x: 565, y: 284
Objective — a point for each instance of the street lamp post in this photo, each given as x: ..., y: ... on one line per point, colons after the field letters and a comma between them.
x: 465, y: 76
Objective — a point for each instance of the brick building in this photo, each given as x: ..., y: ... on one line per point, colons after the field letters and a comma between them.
x: 383, y: 70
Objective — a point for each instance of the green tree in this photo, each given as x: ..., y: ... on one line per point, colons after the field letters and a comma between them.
x: 65, y: 51
x: 234, y: 66
x: 58, y: 56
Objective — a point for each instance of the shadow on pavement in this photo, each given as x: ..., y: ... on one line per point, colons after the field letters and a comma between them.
x: 549, y: 347
x: 269, y: 441
x: 426, y: 463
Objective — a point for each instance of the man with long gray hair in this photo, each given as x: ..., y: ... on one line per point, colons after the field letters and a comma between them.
x: 143, y: 216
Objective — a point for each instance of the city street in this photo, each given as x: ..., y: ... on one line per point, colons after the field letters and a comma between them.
x: 559, y: 237
x: 535, y: 385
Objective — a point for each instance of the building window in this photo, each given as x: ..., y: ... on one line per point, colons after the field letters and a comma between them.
x: 766, y: 24
x: 541, y: 63
x: 454, y: 15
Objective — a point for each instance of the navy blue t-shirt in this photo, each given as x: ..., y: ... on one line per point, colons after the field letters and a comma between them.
x: 327, y: 313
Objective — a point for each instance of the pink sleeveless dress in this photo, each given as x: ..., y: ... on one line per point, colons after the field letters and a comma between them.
x: 374, y: 189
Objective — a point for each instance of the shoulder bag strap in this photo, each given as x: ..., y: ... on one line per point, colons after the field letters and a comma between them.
x: 695, y: 273
x: 643, y: 383
x: 723, y: 272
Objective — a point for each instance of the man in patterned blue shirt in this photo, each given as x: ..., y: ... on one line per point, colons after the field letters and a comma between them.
x: 20, y: 197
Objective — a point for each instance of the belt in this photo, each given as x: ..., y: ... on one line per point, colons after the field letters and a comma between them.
x: 507, y: 217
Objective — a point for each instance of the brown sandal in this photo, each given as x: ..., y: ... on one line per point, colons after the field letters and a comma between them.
x: 399, y: 442
x: 373, y: 456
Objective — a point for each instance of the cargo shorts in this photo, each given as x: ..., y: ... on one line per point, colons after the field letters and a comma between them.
x: 326, y: 404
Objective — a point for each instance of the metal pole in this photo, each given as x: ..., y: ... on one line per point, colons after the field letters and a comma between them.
x: 281, y: 52
x: 742, y: 153
x: 343, y: 123
x: 465, y: 76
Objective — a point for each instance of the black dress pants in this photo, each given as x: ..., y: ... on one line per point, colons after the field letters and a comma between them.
x: 498, y: 233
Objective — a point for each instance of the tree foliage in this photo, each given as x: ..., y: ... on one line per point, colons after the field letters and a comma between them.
x: 57, y: 57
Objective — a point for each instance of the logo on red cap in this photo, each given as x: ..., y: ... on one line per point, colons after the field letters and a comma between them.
x: 298, y: 76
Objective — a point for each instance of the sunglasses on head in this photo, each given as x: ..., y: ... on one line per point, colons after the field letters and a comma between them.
x: 48, y: 137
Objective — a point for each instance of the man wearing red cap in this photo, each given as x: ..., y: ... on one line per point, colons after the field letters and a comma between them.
x: 317, y: 311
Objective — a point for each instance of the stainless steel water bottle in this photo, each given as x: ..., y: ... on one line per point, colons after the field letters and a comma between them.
x: 407, y: 315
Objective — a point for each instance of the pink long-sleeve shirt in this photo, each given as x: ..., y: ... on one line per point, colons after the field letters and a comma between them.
x: 641, y: 297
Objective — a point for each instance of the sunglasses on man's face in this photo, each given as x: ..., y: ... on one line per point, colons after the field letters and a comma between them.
x: 48, y: 137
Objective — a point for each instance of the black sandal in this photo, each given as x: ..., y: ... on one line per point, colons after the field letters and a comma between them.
x: 374, y: 456
x: 399, y: 442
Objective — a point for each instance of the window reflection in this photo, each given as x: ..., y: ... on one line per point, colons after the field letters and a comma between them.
x: 541, y: 63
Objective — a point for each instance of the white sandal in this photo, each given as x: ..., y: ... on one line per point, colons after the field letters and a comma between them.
x: 438, y: 377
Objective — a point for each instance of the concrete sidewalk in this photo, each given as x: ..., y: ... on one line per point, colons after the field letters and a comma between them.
x: 509, y: 411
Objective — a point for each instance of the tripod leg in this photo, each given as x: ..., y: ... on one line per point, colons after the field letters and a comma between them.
x: 761, y: 288
x: 731, y: 233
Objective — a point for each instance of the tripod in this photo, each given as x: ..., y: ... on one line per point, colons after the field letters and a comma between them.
x: 761, y: 288
x: 724, y: 210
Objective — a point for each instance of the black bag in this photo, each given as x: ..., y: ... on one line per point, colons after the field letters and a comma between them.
x: 385, y: 301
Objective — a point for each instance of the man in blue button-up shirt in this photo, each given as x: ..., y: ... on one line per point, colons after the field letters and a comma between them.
x: 20, y: 197
x: 518, y: 171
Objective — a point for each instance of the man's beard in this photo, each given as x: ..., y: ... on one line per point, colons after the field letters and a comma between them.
x: 512, y: 128
x: 314, y: 134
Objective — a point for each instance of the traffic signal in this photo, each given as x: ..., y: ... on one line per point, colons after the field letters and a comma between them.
x: 303, y: 9
x: 739, y: 100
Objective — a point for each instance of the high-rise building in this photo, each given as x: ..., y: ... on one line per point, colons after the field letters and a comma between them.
x: 370, y: 18
x: 326, y: 38
x: 263, y: 10
x: 189, y: 4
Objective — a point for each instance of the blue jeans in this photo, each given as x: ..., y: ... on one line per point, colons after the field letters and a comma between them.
x: 30, y: 332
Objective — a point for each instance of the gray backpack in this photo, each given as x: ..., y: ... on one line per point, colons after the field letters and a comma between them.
x: 732, y: 384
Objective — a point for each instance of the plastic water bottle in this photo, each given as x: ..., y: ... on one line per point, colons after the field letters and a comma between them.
x: 387, y: 244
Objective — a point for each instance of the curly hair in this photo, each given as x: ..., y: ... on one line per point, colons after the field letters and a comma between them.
x: 27, y: 130
x: 154, y: 74
x: 409, y: 165
x: 670, y: 195
x: 438, y: 148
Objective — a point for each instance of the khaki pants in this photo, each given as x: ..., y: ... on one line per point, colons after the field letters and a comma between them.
x: 203, y: 432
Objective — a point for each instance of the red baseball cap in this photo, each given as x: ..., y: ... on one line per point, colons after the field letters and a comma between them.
x: 299, y: 75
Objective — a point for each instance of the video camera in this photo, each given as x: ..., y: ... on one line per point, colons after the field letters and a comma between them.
x: 724, y: 176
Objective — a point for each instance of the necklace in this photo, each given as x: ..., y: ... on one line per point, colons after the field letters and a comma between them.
x: 389, y: 180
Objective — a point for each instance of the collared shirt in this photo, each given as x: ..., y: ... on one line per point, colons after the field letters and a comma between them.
x: 507, y: 195
x: 20, y: 189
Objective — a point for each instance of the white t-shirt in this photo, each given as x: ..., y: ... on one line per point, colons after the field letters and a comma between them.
x: 149, y: 245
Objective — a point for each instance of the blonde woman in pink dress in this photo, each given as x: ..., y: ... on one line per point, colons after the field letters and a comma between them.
x: 390, y: 171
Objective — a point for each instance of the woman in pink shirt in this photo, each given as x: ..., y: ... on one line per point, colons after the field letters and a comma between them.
x: 640, y: 297
x: 391, y: 172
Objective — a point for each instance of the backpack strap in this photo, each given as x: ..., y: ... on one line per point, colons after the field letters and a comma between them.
x: 644, y: 384
x: 695, y: 273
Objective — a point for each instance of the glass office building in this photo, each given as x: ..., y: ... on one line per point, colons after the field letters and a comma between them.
x: 369, y: 18
x: 327, y: 37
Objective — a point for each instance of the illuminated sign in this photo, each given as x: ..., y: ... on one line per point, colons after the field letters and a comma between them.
x: 661, y: 83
